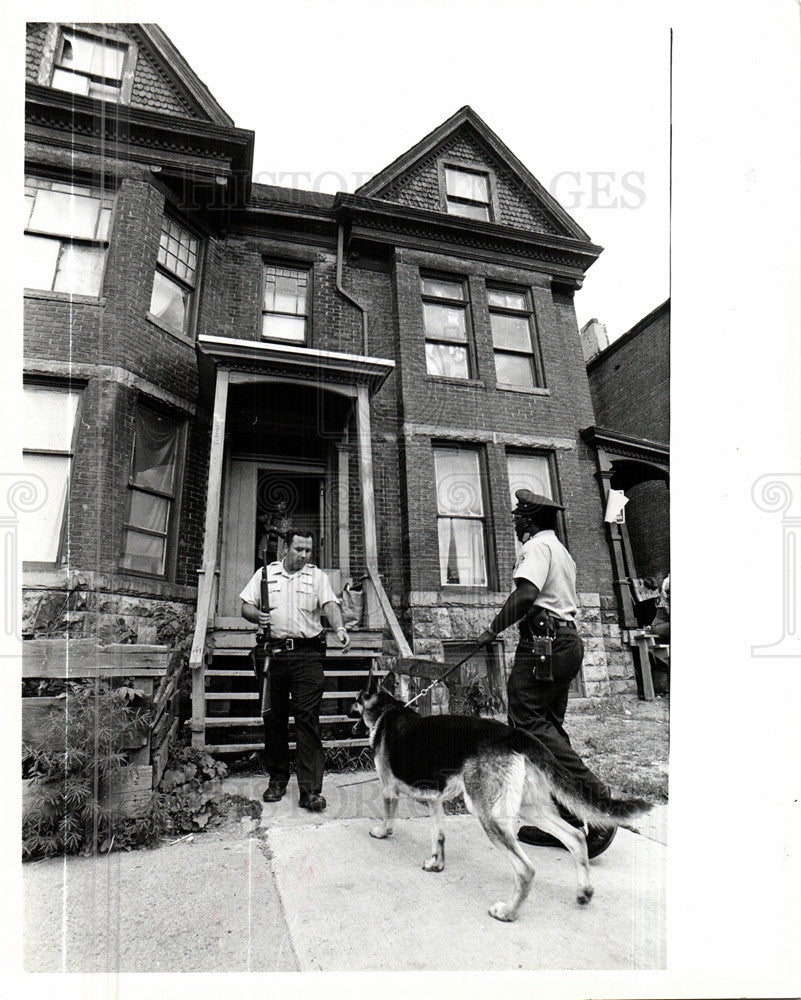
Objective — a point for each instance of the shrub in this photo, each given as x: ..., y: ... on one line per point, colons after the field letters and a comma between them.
x: 81, y: 752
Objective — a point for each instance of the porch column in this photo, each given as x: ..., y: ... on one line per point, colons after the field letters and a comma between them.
x: 372, y: 608
x: 207, y: 576
x: 618, y: 546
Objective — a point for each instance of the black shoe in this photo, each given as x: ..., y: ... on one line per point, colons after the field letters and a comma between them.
x: 598, y: 838
x: 538, y: 838
x: 274, y: 792
x: 312, y: 800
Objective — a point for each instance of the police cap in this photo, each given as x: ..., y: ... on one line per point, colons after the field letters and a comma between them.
x: 533, y: 503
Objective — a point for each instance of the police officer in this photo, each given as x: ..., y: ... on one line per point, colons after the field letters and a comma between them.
x: 298, y: 593
x: 550, y: 650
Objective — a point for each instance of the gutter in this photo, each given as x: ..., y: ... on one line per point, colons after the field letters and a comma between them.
x: 341, y: 290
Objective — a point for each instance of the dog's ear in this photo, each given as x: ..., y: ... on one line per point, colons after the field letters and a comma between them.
x: 390, y: 683
x: 372, y: 679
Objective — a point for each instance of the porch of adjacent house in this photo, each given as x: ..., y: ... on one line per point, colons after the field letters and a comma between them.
x: 291, y: 430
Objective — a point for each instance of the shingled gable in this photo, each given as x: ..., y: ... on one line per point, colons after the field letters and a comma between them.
x: 157, y: 78
x: 414, y: 178
x: 183, y: 76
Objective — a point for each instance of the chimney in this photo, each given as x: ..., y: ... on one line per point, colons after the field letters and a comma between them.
x: 594, y: 339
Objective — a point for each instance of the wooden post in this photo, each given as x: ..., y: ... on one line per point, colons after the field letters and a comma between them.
x: 620, y: 566
x: 372, y: 608
x: 207, y: 573
x: 343, y: 510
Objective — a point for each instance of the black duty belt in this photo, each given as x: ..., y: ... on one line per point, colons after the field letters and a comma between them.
x: 279, y: 647
x: 546, y: 623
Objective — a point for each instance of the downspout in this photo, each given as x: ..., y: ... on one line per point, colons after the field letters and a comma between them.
x: 341, y: 290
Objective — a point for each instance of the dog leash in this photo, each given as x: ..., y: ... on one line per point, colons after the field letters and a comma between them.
x: 438, y: 680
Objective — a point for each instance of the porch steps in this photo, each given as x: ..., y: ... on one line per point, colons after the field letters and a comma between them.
x: 231, y: 695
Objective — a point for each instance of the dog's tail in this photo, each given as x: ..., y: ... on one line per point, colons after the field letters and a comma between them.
x: 586, y: 804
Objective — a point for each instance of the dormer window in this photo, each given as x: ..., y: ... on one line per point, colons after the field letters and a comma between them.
x: 89, y: 64
x: 467, y: 193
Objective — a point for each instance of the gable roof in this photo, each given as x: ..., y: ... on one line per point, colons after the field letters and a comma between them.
x: 178, y: 69
x: 466, y: 120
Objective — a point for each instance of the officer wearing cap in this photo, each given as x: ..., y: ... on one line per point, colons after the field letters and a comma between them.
x: 298, y: 594
x: 550, y: 650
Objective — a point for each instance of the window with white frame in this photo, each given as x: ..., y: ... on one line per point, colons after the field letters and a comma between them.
x: 152, y: 490
x: 285, y: 304
x: 467, y: 193
x: 48, y: 424
x: 446, y: 322
x: 460, y: 517
x: 66, y: 236
x: 88, y: 64
x: 512, y: 325
x: 175, y: 278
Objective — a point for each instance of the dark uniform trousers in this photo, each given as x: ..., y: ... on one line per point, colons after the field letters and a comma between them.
x: 539, y: 706
x: 299, y: 675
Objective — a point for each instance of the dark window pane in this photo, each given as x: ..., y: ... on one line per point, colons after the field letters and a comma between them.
x: 155, y: 451
x: 511, y: 333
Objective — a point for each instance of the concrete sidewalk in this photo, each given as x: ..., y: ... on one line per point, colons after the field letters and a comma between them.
x: 303, y: 891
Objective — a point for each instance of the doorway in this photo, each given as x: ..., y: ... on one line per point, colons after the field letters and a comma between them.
x: 261, y: 494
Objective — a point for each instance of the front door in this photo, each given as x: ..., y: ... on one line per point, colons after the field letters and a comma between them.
x: 258, y: 494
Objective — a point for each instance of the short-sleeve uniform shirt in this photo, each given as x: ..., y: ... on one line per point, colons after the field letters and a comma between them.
x: 296, y: 599
x: 546, y: 563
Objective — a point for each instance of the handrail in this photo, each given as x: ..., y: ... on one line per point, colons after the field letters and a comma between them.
x: 389, y: 613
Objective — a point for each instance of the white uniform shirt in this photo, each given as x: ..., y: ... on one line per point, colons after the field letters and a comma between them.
x: 296, y: 599
x: 546, y: 563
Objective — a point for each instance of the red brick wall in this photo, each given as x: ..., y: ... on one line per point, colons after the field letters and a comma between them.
x: 630, y: 380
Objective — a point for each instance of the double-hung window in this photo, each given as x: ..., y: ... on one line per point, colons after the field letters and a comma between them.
x: 285, y: 305
x: 175, y: 278
x: 445, y: 318
x: 460, y: 517
x: 88, y: 64
x: 152, y: 492
x: 467, y: 193
x: 48, y: 423
x: 512, y: 325
x: 531, y: 472
x: 66, y: 236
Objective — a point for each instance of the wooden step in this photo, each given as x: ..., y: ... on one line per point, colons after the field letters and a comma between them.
x: 254, y: 695
x: 242, y: 747
x: 328, y: 673
x: 255, y: 720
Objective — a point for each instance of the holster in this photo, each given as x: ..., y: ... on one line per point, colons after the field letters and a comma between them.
x: 542, y: 653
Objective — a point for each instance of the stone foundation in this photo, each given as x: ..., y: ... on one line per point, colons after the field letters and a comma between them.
x: 114, y: 608
x: 435, y: 617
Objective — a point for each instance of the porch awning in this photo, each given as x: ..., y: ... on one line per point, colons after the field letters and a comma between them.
x: 305, y: 364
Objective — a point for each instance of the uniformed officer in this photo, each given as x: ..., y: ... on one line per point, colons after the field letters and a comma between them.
x: 299, y: 593
x: 550, y: 650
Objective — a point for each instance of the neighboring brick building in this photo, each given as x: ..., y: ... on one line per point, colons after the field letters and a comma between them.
x: 200, y: 351
x: 630, y: 388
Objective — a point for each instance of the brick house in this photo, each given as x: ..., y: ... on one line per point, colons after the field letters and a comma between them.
x: 204, y: 355
x: 630, y: 389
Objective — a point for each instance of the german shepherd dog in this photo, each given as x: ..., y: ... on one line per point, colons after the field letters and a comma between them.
x: 506, y: 776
